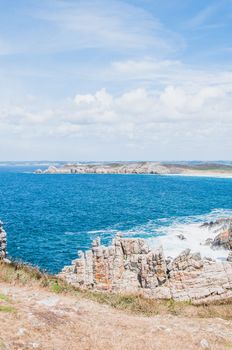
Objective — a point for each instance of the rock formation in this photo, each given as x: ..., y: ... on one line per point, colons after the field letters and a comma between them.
x: 223, y: 229
x: 223, y: 239
x: 230, y: 257
x: 111, y: 168
x: 140, y: 168
x: 130, y: 266
x: 2, y: 242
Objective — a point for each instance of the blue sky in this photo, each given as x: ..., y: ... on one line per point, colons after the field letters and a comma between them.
x: 106, y: 80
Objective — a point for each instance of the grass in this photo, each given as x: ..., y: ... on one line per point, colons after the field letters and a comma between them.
x: 2, y: 345
x: 4, y: 305
x: 4, y: 297
x: 22, y: 274
x: 7, y: 308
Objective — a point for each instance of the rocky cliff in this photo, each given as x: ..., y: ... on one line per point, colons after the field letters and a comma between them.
x: 130, y: 266
x: 111, y: 168
x: 141, y: 168
x: 2, y: 242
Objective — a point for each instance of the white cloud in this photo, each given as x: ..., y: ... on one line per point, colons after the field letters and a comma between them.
x: 170, y: 72
x: 133, y: 112
x: 171, y: 122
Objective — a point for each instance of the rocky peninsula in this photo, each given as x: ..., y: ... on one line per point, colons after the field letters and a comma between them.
x: 159, y: 168
x: 131, y: 266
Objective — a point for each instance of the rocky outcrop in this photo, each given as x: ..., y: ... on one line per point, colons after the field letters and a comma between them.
x: 223, y: 239
x: 130, y: 266
x: 230, y: 257
x: 127, y: 265
x: 141, y: 168
x: 223, y: 229
x: 2, y: 242
x: 111, y: 168
x: 181, y: 237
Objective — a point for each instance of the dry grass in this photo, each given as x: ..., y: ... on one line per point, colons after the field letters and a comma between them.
x: 21, y: 274
x: 41, y: 311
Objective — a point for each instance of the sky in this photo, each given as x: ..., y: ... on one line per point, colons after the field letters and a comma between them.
x: 115, y: 80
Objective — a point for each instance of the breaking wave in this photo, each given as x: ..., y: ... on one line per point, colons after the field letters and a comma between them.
x: 164, y: 232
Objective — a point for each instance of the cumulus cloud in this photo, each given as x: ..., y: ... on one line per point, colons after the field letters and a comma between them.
x: 133, y: 112
x: 141, y: 119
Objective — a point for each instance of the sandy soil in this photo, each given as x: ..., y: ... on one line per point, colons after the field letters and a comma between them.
x: 44, y: 320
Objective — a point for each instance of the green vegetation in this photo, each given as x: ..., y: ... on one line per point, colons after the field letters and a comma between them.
x: 5, y: 305
x: 4, y: 297
x: 58, y: 287
x: 2, y: 345
x: 27, y: 275
x: 7, y: 308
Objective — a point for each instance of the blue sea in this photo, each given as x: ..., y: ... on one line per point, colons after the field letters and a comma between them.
x: 48, y: 218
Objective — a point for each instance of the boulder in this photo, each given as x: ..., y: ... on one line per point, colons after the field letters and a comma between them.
x: 181, y: 237
x: 229, y: 257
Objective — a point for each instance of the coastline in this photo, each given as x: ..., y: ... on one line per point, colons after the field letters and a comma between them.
x: 202, y: 169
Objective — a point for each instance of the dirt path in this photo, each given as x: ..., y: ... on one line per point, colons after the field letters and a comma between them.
x: 36, y: 319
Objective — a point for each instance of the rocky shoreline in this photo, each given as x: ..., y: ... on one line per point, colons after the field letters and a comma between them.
x: 205, y: 169
x: 131, y: 266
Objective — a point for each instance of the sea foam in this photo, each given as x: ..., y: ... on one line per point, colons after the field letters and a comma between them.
x: 164, y: 232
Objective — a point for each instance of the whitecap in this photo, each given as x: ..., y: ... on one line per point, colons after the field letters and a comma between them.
x: 190, y: 227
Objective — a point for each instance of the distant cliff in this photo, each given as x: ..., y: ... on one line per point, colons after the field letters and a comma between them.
x: 140, y: 168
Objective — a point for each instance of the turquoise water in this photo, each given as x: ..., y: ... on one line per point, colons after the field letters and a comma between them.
x: 49, y: 217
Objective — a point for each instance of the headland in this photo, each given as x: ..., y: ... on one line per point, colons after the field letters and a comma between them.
x: 211, y: 169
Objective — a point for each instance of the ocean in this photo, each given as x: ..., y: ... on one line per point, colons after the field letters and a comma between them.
x: 48, y: 218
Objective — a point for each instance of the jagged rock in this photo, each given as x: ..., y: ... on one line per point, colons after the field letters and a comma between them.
x: 222, y: 224
x: 2, y: 242
x: 129, y: 265
x: 223, y: 239
x: 187, y: 261
x: 181, y: 237
x: 229, y: 257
